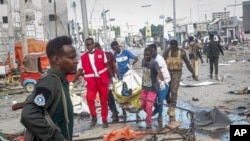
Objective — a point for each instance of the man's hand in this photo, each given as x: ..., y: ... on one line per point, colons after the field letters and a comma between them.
x: 162, y: 85
x: 71, y: 84
x: 207, y: 60
x: 114, y: 80
x: 130, y: 66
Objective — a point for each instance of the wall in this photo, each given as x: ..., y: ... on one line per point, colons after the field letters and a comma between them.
x: 62, y: 18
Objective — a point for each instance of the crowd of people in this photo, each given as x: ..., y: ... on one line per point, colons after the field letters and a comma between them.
x: 161, y: 75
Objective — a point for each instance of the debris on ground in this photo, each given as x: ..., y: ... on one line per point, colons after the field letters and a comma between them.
x: 123, y: 134
x: 245, y: 90
x: 211, y: 120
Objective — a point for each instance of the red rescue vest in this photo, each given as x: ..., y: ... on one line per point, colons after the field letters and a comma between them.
x: 100, y: 65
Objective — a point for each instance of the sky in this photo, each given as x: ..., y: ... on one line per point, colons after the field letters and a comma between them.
x: 132, y: 14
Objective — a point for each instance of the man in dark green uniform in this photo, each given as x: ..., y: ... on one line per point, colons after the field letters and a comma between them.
x: 63, y: 61
x: 213, y: 52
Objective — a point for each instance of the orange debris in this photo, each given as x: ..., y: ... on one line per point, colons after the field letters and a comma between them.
x: 124, y: 133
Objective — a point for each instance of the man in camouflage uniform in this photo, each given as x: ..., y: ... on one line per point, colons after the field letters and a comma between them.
x: 174, y: 57
x: 193, y: 50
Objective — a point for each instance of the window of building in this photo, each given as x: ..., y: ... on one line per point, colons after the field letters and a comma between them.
x: 5, y: 19
x: 52, y: 17
x: 29, y: 1
x: 51, y: 1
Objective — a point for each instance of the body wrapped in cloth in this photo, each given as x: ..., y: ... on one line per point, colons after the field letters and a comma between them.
x: 130, y: 102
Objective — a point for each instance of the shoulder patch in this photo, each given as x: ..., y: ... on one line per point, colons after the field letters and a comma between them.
x: 40, y: 100
x: 99, y: 56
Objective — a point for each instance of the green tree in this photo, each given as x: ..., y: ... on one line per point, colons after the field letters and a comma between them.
x: 117, y: 31
x: 155, y: 30
x: 168, y: 20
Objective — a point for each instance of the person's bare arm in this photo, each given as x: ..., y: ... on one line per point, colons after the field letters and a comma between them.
x: 77, y: 75
x: 186, y: 61
x: 109, y: 70
x: 160, y: 75
x: 135, y: 60
x: 115, y: 69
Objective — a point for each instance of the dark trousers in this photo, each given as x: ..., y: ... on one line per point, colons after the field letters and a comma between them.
x: 111, y: 102
x: 214, y: 61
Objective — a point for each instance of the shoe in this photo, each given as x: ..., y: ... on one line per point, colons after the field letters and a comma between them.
x: 159, y: 118
x: 148, y: 125
x: 196, y: 78
x: 105, y: 125
x: 93, y: 121
x: 216, y: 77
x: 174, y: 124
x: 154, y: 113
x: 211, y: 76
x: 115, y: 119
x: 114, y: 114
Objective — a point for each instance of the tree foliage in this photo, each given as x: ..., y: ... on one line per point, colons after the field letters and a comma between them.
x: 117, y: 30
x: 168, y: 20
x: 155, y: 30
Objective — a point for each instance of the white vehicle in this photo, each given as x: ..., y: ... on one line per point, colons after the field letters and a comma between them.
x: 206, y: 38
x: 149, y: 40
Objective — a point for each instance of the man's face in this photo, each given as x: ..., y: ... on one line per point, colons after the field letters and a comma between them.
x: 174, y: 47
x: 154, y: 52
x: 147, y: 55
x: 68, y: 60
x: 90, y: 45
x: 116, y: 48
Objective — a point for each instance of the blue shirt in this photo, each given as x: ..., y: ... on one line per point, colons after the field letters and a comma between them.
x: 122, y: 60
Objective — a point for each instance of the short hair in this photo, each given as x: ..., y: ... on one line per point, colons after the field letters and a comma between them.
x: 148, y: 49
x: 211, y: 35
x: 174, y: 42
x: 55, y: 46
x: 97, y: 45
x: 190, y: 38
x: 114, y: 43
x: 152, y: 46
x: 91, y: 39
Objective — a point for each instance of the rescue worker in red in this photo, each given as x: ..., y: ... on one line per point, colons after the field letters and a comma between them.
x: 96, y: 74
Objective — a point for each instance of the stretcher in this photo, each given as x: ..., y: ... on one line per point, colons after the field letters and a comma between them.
x: 131, y: 102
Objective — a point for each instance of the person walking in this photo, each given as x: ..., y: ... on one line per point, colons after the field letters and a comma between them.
x: 161, y: 95
x: 96, y: 74
x: 122, y: 57
x: 114, y: 71
x: 152, y: 82
x: 213, y: 52
x: 63, y: 61
x: 174, y: 57
x: 194, y: 54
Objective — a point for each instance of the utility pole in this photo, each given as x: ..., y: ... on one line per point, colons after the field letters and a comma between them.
x: 76, y: 27
x: 163, y: 25
x: 206, y: 23
x: 23, y: 28
x: 174, y: 21
x: 225, y: 9
x: 11, y: 36
x: 55, y: 16
x: 84, y: 19
x: 105, y: 27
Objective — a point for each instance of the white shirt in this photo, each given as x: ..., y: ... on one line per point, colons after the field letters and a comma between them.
x: 164, y: 69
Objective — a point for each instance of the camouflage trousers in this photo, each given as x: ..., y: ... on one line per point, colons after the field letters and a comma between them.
x: 174, y: 85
